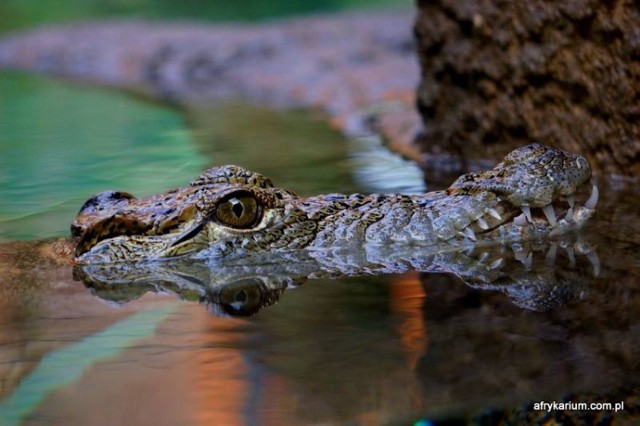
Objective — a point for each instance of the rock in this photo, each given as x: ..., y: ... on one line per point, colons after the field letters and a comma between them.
x: 499, y: 74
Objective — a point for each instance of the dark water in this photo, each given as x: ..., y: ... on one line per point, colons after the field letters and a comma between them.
x: 396, y: 348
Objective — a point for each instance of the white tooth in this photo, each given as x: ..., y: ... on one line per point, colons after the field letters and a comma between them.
x: 483, y: 257
x: 595, y: 262
x: 550, y: 259
x: 593, y: 199
x: 571, y: 200
x: 520, y: 220
x: 569, y: 215
x: 524, y: 256
x: 527, y: 212
x: 493, y: 212
x: 496, y: 264
x: 483, y: 223
x: 572, y: 258
x: 550, y: 214
x: 470, y: 234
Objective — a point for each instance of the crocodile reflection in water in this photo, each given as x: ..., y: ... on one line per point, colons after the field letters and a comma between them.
x: 232, y: 213
x: 242, y: 290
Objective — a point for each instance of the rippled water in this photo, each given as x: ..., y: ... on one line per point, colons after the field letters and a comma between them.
x: 395, y: 348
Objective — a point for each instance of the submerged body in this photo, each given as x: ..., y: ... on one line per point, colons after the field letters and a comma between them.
x: 229, y: 212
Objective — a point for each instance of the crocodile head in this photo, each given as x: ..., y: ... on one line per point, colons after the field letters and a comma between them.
x: 222, y: 204
x: 231, y: 212
x: 537, y: 176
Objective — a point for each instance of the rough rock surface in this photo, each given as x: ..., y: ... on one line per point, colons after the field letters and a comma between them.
x: 497, y: 74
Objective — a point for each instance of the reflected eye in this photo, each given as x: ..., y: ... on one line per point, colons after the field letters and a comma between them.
x: 239, y: 210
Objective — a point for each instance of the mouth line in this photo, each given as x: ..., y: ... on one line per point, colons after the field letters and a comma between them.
x: 189, y: 235
x: 560, y: 209
x: 561, y: 214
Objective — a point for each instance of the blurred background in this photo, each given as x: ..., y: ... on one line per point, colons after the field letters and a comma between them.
x: 16, y: 14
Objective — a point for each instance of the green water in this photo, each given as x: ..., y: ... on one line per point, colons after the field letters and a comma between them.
x: 59, y: 145
x: 24, y: 13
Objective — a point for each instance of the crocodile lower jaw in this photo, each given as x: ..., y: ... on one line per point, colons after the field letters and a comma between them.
x: 511, y: 223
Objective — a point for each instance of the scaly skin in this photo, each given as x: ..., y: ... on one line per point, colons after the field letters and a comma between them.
x: 231, y: 213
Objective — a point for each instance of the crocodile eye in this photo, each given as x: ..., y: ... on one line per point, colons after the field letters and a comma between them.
x: 239, y: 210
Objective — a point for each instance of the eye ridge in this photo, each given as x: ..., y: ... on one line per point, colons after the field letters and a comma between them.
x: 239, y: 210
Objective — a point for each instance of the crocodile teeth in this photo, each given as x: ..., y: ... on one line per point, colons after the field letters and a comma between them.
x: 593, y: 199
x: 550, y: 258
x: 520, y: 220
x: 572, y: 202
x: 550, y: 214
x: 525, y: 259
x: 572, y: 257
x: 527, y: 212
x: 569, y: 214
x: 493, y: 212
x: 483, y: 223
x: 496, y: 264
x: 468, y: 232
x: 595, y: 262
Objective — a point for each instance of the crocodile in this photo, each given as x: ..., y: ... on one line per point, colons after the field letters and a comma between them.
x: 230, y: 213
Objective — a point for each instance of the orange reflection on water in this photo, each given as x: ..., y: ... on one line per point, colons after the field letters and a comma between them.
x: 220, y: 383
x: 407, y: 300
x: 308, y: 359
